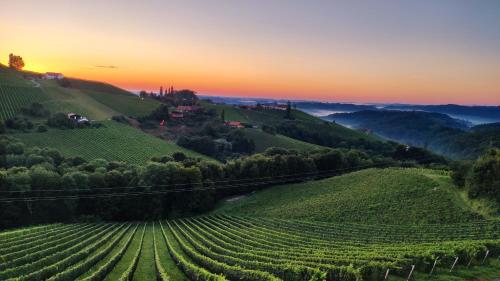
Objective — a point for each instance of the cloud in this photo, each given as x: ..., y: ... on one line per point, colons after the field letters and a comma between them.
x: 107, y: 66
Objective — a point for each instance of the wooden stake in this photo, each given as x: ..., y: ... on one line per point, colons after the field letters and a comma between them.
x: 485, y: 256
x: 387, y: 274
x: 468, y: 264
x: 411, y: 272
x: 433, y: 266
x: 454, y: 263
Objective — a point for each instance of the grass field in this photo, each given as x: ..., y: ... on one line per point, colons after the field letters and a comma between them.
x: 12, y: 78
x: 264, y: 140
x: 393, y: 196
x: 113, y: 141
x: 98, y: 105
x: 243, y: 248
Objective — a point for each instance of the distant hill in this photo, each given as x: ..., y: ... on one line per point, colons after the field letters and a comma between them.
x: 435, y: 131
x: 474, y: 114
x: 368, y: 196
x: 326, y: 108
x: 491, y: 127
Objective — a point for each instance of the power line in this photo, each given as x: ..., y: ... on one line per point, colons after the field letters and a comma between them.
x: 233, y: 184
x: 212, y: 182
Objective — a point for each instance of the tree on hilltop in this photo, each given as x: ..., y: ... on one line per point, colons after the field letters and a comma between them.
x: 16, y: 62
x: 288, y: 114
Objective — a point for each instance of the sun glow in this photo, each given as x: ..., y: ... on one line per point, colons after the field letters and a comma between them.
x: 247, y: 51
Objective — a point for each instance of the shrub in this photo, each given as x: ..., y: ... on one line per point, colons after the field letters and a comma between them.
x: 41, y: 129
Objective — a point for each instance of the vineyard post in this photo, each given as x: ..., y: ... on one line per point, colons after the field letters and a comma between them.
x: 485, y: 256
x: 470, y: 261
x: 411, y: 272
x: 434, y: 266
x: 454, y: 263
x: 387, y: 274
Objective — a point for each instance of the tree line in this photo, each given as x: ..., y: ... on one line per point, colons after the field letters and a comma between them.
x: 41, y: 172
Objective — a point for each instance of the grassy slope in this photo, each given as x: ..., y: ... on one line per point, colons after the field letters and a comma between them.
x: 12, y: 77
x: 116, y: 98
x: 97, y: 100
x: 127, y: 258
x: 392, y: 196
x: 146, y: 267
x: 74, y: 100
x: 114, y: 141
x: 170, y: 266
x: 264, y: 140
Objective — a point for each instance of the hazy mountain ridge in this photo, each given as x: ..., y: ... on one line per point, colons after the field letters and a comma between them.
x: 435, y: 131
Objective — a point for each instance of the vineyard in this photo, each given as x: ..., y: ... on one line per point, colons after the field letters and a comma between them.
x: 265, y: 140
x: 245, y: 248
x: 374, y: 196
x: 13, y: 98
x: 113, y: 141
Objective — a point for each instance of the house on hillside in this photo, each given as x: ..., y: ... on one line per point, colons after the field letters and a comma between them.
x: 53, y: 75
x: 78, y: 118
x: 188, y: 108
x: 234, y: 124
x: 176, y: 114
x: 274, y: 106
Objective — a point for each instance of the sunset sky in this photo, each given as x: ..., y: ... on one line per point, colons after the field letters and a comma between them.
x: 351, y: 51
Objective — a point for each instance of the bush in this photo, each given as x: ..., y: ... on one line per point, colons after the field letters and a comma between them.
x: 18, y: 123
x: 179, y: 156
x: 41, y: 129
x: 269, y: 129
x: 61, y: 121
x: 120, y: 119
x: 36, y: 110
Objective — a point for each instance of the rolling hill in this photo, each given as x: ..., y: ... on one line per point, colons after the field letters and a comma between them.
x: 435, y: 131
x: 374, y: 196
x: 96, y: 100
x: 303, y: 127
x: 113, y: 142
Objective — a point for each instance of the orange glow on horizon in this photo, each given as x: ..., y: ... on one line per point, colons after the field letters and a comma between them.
x: 251, y: 53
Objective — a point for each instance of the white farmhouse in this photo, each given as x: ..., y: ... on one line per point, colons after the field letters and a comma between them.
x: 53, y: 75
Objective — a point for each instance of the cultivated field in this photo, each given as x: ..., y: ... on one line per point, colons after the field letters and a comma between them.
x: 13, y: 98
x: 244, y: 248
x: 389, y: 196
x: 264, y: 140
x: 113, y: 142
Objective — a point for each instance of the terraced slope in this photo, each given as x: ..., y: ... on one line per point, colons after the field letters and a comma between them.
x: 394, y: 196
x: 113, y: 141
x: 244, y: 248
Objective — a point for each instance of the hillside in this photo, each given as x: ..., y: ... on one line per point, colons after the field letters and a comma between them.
x: 96, y: 100
x: 113, y: 141
x: 474, y: 113
x: 367, y: 196
x: 265, y: 140
x: 303, y: 127
x: 435, y: 131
